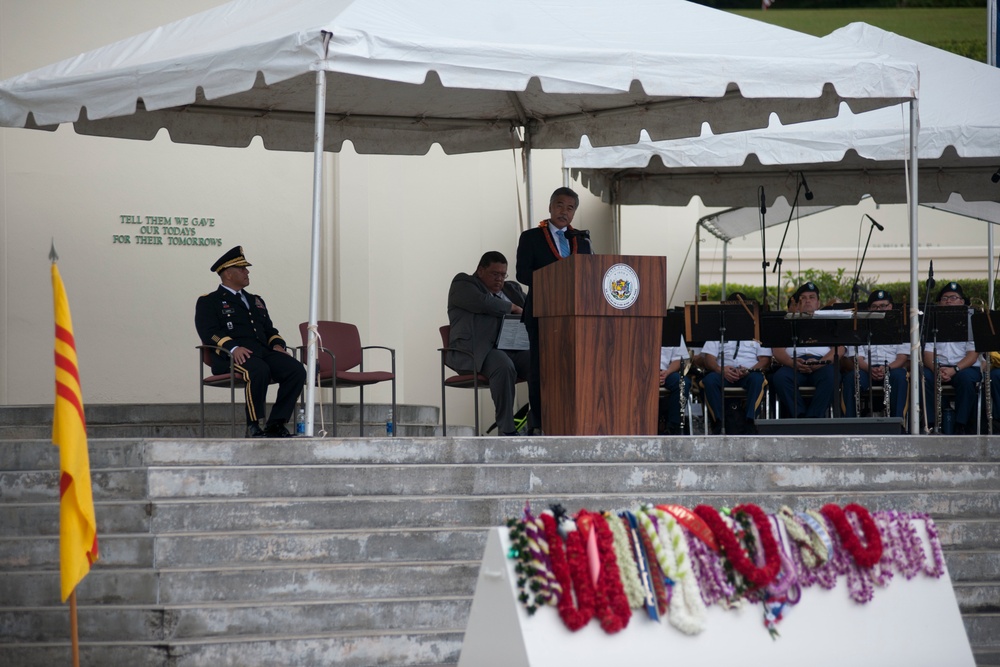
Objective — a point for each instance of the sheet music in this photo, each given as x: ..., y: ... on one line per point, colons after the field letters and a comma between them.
x: 513, y: 334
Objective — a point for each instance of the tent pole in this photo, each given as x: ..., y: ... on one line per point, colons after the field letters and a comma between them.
x: 311, y: 350
x: 916, y: 379
x: 990, y: 276
x: 529, y: 191
x: 697, y: 262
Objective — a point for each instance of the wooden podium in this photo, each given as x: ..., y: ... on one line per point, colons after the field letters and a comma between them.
x: 599, y: 320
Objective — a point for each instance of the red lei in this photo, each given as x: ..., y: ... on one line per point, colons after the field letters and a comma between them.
x: 544, y: 224
x: 863, y: 556
x: 756, y: 577
x: 611, y: 603
x: 572, y: 573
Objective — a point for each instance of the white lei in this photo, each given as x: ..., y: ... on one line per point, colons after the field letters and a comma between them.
x: 687, y: 610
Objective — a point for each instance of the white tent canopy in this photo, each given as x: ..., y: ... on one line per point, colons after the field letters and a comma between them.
x: 844, y: 157
x: 469, y: 75
x: 460, y: 73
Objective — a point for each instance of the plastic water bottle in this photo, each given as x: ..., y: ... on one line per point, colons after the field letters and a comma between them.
x: 389, y: 426
x: 300, y: 422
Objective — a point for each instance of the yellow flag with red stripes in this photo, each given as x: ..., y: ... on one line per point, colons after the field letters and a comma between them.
x: 77, y: 522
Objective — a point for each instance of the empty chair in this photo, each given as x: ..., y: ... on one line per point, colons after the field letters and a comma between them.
x: 339, y: 351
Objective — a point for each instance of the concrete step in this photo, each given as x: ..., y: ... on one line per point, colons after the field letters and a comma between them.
x: 454, y: 512
x: 308, y: 582
x: 181, y: 413
x: 494, y: 479
x: 108, y: 623
x: 40, y: 454
x: 235, y: 548
x: 427, y: 649
x: 182, y: 420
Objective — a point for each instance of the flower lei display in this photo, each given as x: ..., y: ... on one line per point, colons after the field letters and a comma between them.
x: 757, y: 577
x: 864, y: 556
x: 676, y: 560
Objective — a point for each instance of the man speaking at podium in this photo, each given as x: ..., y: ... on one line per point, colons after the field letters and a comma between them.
x: 550, y: 241
x: 477, y: 305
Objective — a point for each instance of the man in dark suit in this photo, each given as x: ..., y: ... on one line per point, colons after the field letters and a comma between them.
x: 237, y: 321
x: 477, y: 305
x: 538, y: 248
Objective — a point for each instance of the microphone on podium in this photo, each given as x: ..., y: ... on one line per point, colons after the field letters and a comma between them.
x: 577, y: 233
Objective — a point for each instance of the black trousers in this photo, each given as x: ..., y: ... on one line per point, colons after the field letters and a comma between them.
x: 263, y: 367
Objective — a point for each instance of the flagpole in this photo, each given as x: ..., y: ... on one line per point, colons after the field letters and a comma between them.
x: 73, y: 634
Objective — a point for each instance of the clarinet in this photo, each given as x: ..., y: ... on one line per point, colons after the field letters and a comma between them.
x: 683, y: 398
x: 937, y: 395
x: 987, y: 389
x: 857, y: 382
x: 886, y: 389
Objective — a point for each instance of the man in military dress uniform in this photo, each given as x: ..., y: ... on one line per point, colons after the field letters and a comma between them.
x: 237, y: 321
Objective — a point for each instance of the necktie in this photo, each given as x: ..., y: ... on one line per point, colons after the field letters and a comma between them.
x: 243, y: 299
x: 563, y: 243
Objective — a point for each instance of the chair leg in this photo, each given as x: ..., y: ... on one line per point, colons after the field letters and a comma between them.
x: 361, y: 415
x: 444, y: 408
x: 201, y: 396
x: 476, y: 401
x: 395, y: 415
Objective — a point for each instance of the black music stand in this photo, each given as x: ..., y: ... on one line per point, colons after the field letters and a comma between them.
x: 732, y: 320
x: 945, y: 324
x: 986, y: 335
x: 673, y: 327
x: 824, y: 328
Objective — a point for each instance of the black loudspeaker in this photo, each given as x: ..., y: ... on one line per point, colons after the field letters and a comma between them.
x: 828, y: 426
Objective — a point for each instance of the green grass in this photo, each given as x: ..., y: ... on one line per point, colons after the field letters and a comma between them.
x: 960, y: 30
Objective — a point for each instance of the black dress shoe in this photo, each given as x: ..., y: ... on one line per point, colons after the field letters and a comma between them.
x: 276, y: 430
x: 255, y: 431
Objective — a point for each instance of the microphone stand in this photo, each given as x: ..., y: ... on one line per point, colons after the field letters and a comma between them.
x: 923, y: 333
x: 763, y: 251
x: 857, y: 276
x: 778, y: 260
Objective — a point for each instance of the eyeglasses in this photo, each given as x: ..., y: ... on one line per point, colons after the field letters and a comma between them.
x: 497, y: 275
x: 883, y: 305
x: 952, y: 297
